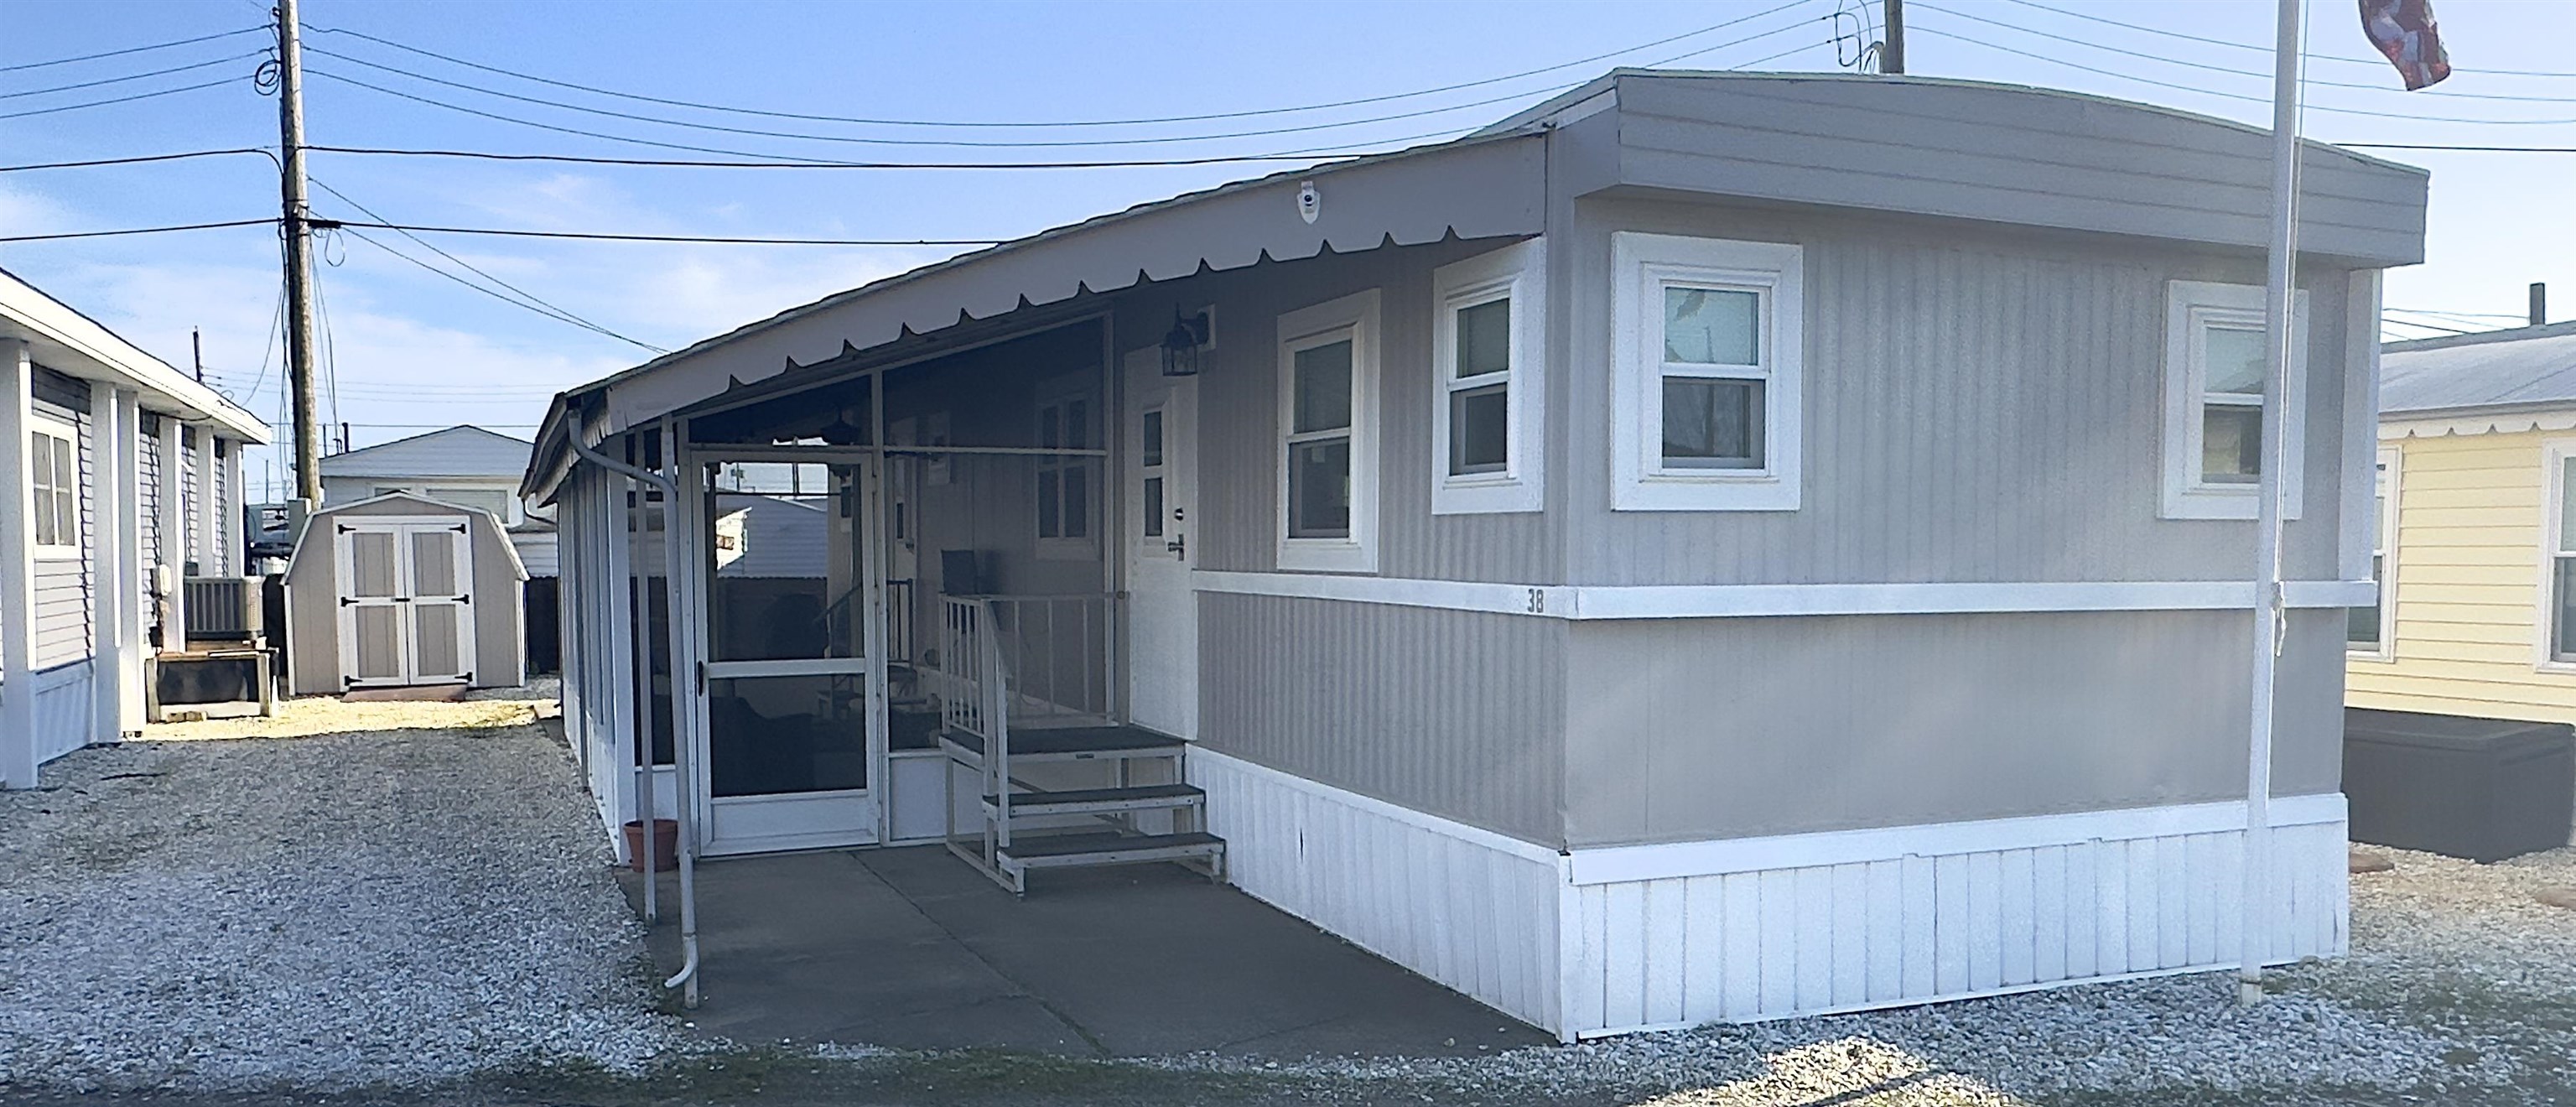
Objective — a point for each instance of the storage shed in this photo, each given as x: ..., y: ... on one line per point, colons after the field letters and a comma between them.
x: 402, y: 590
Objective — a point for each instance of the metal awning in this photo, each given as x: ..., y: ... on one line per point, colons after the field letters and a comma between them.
x: 1479, y: 187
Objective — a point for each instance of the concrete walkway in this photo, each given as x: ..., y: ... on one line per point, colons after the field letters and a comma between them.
x: 910, y: 948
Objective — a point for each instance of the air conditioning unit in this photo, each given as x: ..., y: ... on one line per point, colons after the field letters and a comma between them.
x: 224, y: 609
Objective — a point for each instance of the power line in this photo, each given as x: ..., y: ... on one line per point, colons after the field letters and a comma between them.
x: 133, y: 49
x: 530, y: 304
x: 715, y: 239
x: 117, y: 100
x: 711, y: 149
x: 2319, y: 81
x: 2267, y: 49
x: 690, y: 163
x: 1050, y: 123
x: 1013, y: 144
x: 133, y: 230
x: 133, y: 76
x: 861, y: 140
x: 140, y: 159
x: 532, y: 301
x: 1937, y: 32
x: 2461, y: 314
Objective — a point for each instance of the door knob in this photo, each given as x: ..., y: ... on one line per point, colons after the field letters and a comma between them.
x: 1179, y: 546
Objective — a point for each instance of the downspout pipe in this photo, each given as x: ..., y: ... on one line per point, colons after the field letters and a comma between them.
x: 687, y: 977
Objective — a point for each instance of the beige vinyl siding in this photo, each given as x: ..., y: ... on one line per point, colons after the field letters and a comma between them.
x: 2469, y: 585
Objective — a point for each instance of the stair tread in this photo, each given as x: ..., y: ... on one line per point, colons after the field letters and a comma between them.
x: 1075, y: 845
x: 1042, y: 741
x: 1102, y: 795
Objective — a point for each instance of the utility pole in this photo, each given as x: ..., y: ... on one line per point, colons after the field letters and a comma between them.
x: 1891, y: 50
x: 197, y: 351
x: 298, y: 227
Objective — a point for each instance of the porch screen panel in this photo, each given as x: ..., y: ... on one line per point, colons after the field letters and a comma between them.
x: 379, y: 643
x: 771, y: 736
x: 786, y: 564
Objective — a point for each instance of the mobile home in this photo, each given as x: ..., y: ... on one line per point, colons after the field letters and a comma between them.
x: 124, y: 483
x: 1712, y: 546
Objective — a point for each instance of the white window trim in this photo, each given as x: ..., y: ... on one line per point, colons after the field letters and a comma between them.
x: 1354, y: 316
x: 2388, y: 472
x: 56, y: 428
x: 1517, y: 272
x: 1641, y: 264
x: 2554, y: 453
x: 2189, y: 304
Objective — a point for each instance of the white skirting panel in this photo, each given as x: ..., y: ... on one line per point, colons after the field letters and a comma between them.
x: 1474, y: 910
x: 64, y: 706
x: 1664, y: 936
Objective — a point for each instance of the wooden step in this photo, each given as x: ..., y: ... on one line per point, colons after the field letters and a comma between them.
x: 1070, y: 850
x: 1102, y: 801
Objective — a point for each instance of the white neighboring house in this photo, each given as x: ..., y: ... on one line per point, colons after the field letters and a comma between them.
x: 465, y: 466
x: 117, y: 466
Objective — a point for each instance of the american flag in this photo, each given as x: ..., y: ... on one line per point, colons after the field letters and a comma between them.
x: 2404, y: 30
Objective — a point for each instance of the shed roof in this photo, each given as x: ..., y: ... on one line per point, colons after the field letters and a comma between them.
x: 2526, y: 367
x: 1998, y: 154
x: 474, y: 516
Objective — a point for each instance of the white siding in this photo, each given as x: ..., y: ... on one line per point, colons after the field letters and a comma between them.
x: 1472, y: 910
x: 1838, y: 924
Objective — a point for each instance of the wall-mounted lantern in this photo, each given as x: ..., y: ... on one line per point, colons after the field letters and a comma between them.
x: 1185, y: 345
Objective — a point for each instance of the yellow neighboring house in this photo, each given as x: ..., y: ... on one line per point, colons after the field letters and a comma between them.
x: 2476, y: 545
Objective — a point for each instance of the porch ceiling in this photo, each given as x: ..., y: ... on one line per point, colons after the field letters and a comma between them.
x: 1480, y: 187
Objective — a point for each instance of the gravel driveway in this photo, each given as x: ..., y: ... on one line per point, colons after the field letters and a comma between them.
x: 411, y: 899
x: 390, y: 893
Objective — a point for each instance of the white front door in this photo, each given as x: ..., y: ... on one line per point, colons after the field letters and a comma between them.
x: 792, y: 728
x: 406, y: 614
x: 1162, y: 522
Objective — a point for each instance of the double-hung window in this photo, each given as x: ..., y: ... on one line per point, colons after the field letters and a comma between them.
x: 53, y: 468
x: 1063, y: 480
x: 1708, y: 377
x: 1328, y: 361
x: 1487, y: 360
x: 2216, y: 386
x: 2372, y: 631
x: 2558, y: 544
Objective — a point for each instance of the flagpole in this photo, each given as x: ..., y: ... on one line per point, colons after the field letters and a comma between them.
x: 2280, y: 283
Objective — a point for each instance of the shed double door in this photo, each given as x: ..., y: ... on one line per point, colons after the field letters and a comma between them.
x: 406, y: 602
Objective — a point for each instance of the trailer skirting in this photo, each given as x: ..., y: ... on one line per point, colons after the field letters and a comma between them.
x: 1631, y: 938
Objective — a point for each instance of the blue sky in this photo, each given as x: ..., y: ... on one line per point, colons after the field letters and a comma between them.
x: 414, y: 349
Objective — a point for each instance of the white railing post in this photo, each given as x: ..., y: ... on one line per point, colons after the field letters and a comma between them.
x: 997, y: 725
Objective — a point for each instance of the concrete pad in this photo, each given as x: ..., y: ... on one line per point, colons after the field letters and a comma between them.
x: 911, y: 948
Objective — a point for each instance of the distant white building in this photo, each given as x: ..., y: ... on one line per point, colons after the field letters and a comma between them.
x: 465, y: 466
x: 468, y: 467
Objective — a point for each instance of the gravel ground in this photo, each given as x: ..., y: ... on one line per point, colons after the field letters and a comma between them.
x: 409, y: 898
x: 394, y: 893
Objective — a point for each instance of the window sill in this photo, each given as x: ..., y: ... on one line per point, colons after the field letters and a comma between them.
x: 2235, y: 503
x: 58, y: 553
x: 2377, y: 657
x: 1485, y: 494
x: 1698, y: 492
x: 1326, y: 555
